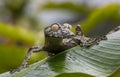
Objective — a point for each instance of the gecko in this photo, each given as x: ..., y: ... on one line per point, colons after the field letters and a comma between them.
x: 59, y: 38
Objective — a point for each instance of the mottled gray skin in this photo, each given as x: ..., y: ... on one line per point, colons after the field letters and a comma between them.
x: 62, y: 32
x: 63, y: 39
x: 57, y: 41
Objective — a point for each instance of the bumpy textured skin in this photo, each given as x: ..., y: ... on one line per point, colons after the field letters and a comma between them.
x: 57, y: 41
x: 62, y: 32
x: 63, y: 38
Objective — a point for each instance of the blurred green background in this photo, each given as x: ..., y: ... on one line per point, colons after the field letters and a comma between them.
x: 22, y: 23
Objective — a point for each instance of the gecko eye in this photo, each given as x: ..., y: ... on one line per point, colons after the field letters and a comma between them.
x: 55, y: 27
x: 68, y: 26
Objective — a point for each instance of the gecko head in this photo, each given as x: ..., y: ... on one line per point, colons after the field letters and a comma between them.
x: 59, y: 31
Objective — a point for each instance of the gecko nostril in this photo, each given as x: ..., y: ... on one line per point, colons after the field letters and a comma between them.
x: 68, y: 26
x: 55, y: 27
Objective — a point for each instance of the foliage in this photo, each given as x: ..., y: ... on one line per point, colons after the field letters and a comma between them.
x: 11, y: 32
x: 14, y: 41
x: 17, y: 35
x: 15, y: 10
x: 66, y: 5
x: 98, y: 60
x: 99, y: 15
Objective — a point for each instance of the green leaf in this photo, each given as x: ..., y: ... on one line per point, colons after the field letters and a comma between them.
x: 100, y: 15
x: 99, y: 60
x: 17, y: 33
x: 65, y: 6
x: 13, y: 41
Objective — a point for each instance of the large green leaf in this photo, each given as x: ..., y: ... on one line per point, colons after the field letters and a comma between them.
x: 99, y: 60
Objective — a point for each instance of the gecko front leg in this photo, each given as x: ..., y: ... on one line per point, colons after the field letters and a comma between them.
x: 27, y: 57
